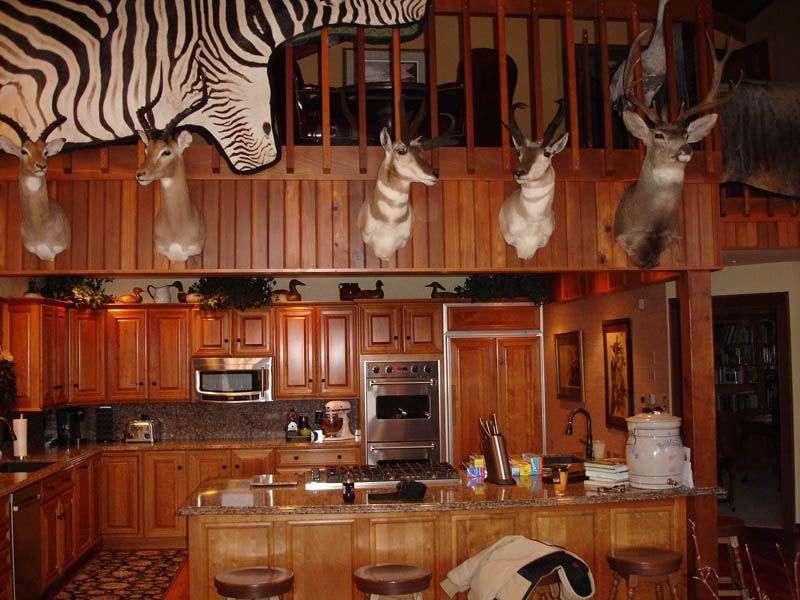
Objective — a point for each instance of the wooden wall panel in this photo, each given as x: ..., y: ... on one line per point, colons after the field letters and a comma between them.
x: 290, y: 225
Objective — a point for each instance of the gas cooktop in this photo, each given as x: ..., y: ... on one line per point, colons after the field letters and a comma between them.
x: 383, y: 475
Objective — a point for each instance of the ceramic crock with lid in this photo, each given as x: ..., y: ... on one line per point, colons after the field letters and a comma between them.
x: 654, y: 450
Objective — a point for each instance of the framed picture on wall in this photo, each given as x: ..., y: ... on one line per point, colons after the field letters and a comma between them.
x: 378, y: 66
x: 618, y: 363
x: 569, y: 366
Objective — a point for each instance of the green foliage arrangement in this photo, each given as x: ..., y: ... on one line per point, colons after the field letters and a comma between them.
x: 85, y: 292
x: 237, y: 292
x: 486, y: 288
x: 8, y: 380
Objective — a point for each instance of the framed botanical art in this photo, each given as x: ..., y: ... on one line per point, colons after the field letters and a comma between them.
x: 569, y: 366
x: 618, y: 362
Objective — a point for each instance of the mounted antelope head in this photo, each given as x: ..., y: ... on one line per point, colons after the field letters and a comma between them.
x: 45, y: 228
x: 646, y: 221
x: 526, y: 217
x: 179, y: 230
x: 385, y: 219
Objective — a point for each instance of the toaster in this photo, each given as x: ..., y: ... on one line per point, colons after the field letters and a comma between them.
x: 140, y: 431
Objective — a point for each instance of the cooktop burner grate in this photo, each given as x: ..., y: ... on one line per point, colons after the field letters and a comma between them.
x: 382, y: 475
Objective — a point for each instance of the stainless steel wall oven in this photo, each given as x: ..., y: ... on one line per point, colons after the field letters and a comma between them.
x: 402, y: 410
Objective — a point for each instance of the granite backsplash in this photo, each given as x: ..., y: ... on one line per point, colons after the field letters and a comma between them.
x: 204, y: 421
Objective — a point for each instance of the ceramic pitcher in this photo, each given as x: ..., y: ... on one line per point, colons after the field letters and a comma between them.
x: 160, y: 295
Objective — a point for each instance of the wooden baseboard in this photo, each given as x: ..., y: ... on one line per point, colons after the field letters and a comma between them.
x: 140, y: 543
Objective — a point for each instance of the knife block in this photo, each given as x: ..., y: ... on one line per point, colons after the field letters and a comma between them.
x: 498, y: 470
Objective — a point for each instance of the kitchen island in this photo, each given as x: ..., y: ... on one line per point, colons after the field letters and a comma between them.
x: 323, y: 539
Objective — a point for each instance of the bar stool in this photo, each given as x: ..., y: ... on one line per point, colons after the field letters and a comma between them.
x: 655, y: 564
x: 254, y: 583
x: 729, y: 530
x: 392, y: 579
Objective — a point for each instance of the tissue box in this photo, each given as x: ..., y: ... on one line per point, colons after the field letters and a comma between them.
x: 519, y: 467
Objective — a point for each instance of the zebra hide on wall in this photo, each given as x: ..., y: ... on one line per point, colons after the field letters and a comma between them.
x: 95, y: 62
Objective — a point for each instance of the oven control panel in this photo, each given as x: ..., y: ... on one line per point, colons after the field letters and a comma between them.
x: 407, y: 369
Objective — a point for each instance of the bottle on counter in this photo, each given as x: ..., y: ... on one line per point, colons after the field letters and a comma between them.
x: 291, y: 423
x: 303, y: 429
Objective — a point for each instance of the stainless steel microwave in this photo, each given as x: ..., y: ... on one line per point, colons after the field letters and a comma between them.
x: 231, y: 379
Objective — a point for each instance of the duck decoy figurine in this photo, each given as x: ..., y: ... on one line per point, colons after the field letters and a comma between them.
x: 134, y: 298
x: 438, y: 291
x: 181, y: 294
x: 290, y: 295
x: 348, y: 291
x: 367, y: 294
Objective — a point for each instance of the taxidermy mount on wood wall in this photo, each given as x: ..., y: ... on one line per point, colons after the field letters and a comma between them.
x: 97, y: 69
x: 647, y: 217
x: 179, y: 230
x: 526, y: 217
x: 45, y: 227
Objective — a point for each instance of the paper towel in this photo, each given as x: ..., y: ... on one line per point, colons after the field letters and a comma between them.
x: 21, y: 431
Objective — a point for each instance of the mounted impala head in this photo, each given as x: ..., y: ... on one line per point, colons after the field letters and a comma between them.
x: 386, y: 218
x: 646, y: 221
x: 179, y: 229
x: 526, y: 217
x: 45, y: 228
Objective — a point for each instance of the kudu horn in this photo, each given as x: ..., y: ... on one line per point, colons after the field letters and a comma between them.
x: 23, y: 137
x: 51, y: 127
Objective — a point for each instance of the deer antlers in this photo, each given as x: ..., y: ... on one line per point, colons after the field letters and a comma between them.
x: 710, y: 101
x: 549, y: 132
x: 23, y: 136
x: 145, y: 115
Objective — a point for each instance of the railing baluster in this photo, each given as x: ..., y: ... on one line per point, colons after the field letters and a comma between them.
x: 536, y: 70
x: 634, y: 26
x: 362, y: 100
x: 703, y: 72
x: 325, y: 92
x: 505, y: 150
x: 290, y: 104
x: 433, y: 87
x: 571, y: 84
x: 586, y: 94
x: 605, y: 81
x: 466, y: 61
x: 746, y: 194
x: 672, y: 78
x: 397, y: 84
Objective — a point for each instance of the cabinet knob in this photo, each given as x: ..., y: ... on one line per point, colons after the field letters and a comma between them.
x: 296, y: 457
x: 226, y: 340
x: 141, y: 383
x: 408, y: 337
x: 75, y: 385
x: 395, y: 337
x: 338, y: 457
x: 180, y: 468
x: 61, y: 517
x: 224, y: 467
x: 322, y: 380
x: 238, y: 340
x: 310, y: 381
x: 153, y: 383
x: 236, y: 466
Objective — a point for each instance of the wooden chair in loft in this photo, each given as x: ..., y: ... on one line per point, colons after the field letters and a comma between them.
x: 308, y: 112
x: 485, y: 97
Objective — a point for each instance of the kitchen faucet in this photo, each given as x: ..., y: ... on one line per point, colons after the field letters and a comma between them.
x: 585, y: 413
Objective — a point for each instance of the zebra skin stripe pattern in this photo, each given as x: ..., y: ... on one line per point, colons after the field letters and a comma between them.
x: 95, y: 62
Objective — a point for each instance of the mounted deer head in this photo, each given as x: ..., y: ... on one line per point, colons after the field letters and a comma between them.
x: 45, y: 228
x: 646, y: 221
x: 385, y: 219
x: 526, y: 217
x: 179, y: 230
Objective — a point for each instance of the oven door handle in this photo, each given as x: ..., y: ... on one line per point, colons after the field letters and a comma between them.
x: 403, y: 447
x: 374, y: 382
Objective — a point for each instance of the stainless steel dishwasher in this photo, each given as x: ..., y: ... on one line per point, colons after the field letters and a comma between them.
x: 26, y: 555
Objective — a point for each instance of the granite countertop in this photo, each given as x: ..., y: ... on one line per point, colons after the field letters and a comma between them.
x: 65, y: 457
x: 237, y: 497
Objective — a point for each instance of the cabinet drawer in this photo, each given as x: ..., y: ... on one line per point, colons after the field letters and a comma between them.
x: 55, y: 485
x: 312, y: 458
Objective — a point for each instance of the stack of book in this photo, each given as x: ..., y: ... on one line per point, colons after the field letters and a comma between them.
x: 606, y: 472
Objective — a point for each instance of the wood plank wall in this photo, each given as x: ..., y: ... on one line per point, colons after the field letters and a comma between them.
x: 307, y: 221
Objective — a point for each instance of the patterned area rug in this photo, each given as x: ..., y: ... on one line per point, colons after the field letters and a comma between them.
x: 117, y: 575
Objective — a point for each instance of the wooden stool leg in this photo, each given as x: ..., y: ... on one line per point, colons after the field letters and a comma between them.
x: 632, y: 581
x: 555, y: 591
x: 672, y: 579
x: 614, y: 585
x: 659, y: 591
x: 736, y: 563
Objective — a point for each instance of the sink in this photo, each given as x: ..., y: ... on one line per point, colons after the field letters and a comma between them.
x: 24, y: 466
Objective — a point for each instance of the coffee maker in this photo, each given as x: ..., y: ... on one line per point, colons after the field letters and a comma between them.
x: 68, y: 423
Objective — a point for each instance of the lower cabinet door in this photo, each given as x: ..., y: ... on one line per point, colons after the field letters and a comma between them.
x: 207, y: 464
x: 164, y: 491
x: 119, y: 498
x: 50, y: 511
x: 66, y: 530
x: 249, y: 462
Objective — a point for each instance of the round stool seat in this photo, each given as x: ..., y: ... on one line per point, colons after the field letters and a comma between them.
x: 645, y: 562
x: 254, y: 582
x: 391, y: 579
x: 729, y: 527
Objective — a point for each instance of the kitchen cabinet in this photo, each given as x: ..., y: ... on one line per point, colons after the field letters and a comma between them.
x: 147, y: 354
x: 120, y: 499
x: 499, y: 375
x: 36, y: 335
x: 164, y: 490
x: 86, y: 369
x: 316, y: 354
x: 232, y: 332
x: 5, y: 550
x: 57, y: 518
x: 409, y: 328
x: 87, y: 522
x: 288, y: 460
x: 211, y: 464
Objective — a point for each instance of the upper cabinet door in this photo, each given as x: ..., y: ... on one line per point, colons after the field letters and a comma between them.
x: 422, y: 328
x: 126, y: 356
x: 380, y: 329
x: 338, y: 360
x: 295, y: 340
x: 87, y: 340
x: 168, y: 346
x: 254, y: 331
x: 23, y: 339
x: 211, y: 332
